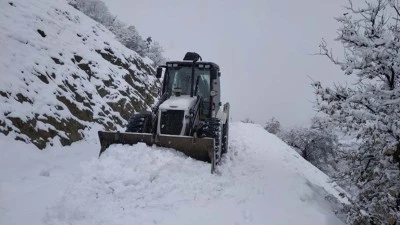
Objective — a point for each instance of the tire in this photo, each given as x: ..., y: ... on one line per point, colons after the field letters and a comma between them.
x: 213, y: 128
x: 225, y: 138
x: 139, y: 123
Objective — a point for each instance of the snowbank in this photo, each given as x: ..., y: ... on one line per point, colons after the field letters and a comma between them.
x: 261, y: 181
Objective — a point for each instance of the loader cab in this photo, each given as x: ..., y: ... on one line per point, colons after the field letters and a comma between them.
x: 178, y: 81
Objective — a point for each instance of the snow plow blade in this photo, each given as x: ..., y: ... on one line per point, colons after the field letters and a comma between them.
x: 197, y: 148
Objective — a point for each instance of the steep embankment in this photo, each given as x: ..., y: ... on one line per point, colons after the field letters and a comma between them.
x: 261, y: 181
x: 62, y: 74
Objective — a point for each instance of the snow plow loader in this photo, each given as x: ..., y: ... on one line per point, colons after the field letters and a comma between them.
x: 189, y: 116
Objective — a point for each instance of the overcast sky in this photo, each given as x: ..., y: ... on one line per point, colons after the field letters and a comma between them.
x: 263, y: 48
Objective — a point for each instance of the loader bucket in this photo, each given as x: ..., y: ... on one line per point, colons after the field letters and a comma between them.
x: 197, y: 148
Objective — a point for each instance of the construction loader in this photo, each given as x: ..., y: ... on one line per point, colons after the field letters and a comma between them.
x: 188, y: 117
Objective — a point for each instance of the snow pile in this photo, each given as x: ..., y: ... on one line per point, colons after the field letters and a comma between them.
x: 62, y: 73
x: 32, y: 180
x: 261, y: 181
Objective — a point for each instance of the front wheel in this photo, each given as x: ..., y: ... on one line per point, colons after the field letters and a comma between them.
x: 213, y: 128
x: 139, y: 123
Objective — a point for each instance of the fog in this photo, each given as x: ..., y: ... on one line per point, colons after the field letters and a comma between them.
x: 264, y: 48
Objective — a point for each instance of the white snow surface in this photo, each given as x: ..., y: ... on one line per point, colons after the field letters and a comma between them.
x: 71, y: 40
x: 260, y: 181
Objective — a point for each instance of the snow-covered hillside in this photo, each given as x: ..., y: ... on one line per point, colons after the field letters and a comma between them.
x: 261, y: 181
x: 62, y: 74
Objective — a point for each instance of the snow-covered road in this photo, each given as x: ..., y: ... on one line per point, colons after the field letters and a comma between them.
x: 261, y: 181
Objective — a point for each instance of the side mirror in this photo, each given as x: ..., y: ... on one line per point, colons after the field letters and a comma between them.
x: 214, y: 73
x: 159, y: 72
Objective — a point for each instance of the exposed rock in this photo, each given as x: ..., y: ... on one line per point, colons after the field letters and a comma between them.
x: 60, y: 85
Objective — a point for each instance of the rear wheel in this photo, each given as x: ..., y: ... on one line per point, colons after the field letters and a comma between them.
x: 213, y: 128
x: 225, y: 137
x: 139, y: 123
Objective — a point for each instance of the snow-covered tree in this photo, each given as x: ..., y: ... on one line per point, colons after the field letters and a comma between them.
x: 370, y: 108
x: 247, y: 120
x: 131, y: 38
x: 318, y: 146
x: 127, y: 35
x: 96, y: 10
x: 273, y: 126
x: 148, y: 43
x: 117, y: 26
x: 155, y: 53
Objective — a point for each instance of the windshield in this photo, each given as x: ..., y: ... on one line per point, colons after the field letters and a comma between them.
x: 180, y: 78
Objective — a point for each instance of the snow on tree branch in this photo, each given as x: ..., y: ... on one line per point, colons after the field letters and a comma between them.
x: 370, y: 109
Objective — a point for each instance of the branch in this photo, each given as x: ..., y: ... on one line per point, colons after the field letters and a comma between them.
x: 323, y: 50
x: 358, y: 11
x: 396, y: 9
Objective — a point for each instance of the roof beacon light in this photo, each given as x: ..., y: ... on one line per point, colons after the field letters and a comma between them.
x: 192, y: 56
